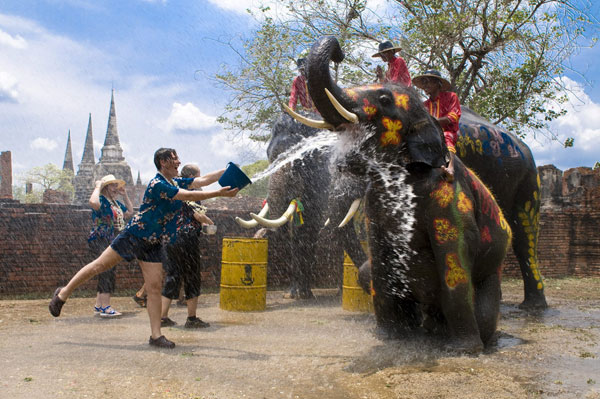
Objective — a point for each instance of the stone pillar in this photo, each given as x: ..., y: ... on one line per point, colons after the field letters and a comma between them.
x: 5, y: 175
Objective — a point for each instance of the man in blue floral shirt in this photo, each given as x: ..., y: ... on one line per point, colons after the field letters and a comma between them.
x: 142, y: 238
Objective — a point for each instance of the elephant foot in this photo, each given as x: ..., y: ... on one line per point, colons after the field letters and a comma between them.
x: 306, y: 295
x: 467, y: 346
x: 389, y: 332
x: 534, y: 303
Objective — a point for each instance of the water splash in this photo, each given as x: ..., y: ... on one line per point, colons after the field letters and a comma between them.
x: 324, y: 140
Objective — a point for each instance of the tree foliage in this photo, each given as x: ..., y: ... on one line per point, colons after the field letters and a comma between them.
x: 42, y: 178
x: 503, y: 57
x: 258, y: 189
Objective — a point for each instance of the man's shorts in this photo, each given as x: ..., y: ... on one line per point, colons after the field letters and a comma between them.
x: 130, y: 247
x: 451, y: 138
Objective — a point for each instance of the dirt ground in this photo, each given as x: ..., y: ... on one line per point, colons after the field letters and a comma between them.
x: 297, y: 349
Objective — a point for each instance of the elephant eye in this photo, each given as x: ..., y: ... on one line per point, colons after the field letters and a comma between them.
x: 385, y: 99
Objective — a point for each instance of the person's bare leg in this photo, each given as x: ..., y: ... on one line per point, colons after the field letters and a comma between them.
x: 166, y: 304
x: 109, y: 258
x: 192, y: 304
x: 153, y: 275
x: 103, y: 299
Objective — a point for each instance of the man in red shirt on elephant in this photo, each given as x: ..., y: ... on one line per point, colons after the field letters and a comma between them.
x: 442, y: 105
x: 397, y: 71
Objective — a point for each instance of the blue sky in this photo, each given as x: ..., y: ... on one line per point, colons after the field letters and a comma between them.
x: 60, y: 60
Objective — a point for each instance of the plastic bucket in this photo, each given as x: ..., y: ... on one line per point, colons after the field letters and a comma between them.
x: 354, y: 297
x: 244, y: 274
x: 234, y: 177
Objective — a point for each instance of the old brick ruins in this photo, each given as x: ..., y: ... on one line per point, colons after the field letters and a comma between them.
x: 44, y: 244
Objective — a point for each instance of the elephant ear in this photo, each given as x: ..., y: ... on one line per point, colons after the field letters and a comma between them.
x: 425, y: 143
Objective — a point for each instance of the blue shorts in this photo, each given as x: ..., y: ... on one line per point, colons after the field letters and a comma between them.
x: 130, y: 247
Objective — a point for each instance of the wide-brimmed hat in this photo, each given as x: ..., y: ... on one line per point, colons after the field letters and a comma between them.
x: 110, y: 179
x: 386, y: 46
x: 432, y: 73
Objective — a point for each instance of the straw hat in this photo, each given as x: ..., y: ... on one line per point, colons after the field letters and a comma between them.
x: 431, y: 73
x: 110, y: 179
x: 386, y: 46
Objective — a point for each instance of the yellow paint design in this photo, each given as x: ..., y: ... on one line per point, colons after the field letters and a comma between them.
x: 401, y: 100
x: 391, y: 135
x: 443, y: 195
x: 352, y: 94
x: 464, y: 142
x: 464, y: 204
x: 444, y: 231
x: 455, y: 274
x: 369, y: 108
x: 529, y: 219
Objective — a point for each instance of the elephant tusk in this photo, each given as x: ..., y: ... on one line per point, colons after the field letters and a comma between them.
x: 307, y: 121
x: 249, y: 224
x: 351, y: 212
x: 327, y: 222
x: 349, y: 116
x: 283, y: 219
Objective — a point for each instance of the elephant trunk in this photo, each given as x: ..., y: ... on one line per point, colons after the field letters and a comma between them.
x: 326, y: 49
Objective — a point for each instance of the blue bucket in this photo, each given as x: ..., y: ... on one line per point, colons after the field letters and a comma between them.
x: 234, y: 177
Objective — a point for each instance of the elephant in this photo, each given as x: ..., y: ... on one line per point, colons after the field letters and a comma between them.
x: 436, y: 246
x: 501, y: 160
x: 307, y: 180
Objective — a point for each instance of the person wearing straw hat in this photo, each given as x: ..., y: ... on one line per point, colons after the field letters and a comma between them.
x: 299, y: 91
x: 144, y: 235
x: 444, y: 106
x: 108, y: 215
x: 397, y: 71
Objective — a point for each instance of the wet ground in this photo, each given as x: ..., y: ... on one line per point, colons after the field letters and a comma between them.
x: 297, y: 349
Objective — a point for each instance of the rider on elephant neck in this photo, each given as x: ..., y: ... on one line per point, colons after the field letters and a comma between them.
x: 444, y: 106
x: 397, y: 71
x: 299, y: 91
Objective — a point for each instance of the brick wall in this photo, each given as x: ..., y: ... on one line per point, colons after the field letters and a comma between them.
x: 42, y: 245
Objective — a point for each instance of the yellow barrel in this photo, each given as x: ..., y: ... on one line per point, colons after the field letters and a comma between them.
x: 244, y: 274
x: 353, y: 297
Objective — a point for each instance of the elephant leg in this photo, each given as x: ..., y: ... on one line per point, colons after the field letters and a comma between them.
x: 305, y: 247
x: 487, y: 306
x: 525, y: 227
x: 396, y: 317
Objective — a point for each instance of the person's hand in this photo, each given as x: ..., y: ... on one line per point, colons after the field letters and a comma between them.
x: 98, y: 183
x: 227, y: 191
x: 121, y: 190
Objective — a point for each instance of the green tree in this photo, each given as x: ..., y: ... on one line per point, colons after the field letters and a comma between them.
x: 504, y: 58
x: 42, y: 178
x: 261, y: 81
x: 259, y: 188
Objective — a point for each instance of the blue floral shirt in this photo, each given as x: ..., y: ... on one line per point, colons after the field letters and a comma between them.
x: 107, y: 219
x: 156, y: 221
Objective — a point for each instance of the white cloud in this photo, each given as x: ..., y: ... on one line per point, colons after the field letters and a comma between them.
x: 42, y: 143
x: 188, y: 118
x: 12, y: 41
x: 582, y: 122
x: 8, y: 87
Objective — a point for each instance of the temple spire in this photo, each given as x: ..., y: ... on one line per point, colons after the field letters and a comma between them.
x: 112, y: 151
x: 88, y: 147
x: 68, y: 162
x: 139, y: 180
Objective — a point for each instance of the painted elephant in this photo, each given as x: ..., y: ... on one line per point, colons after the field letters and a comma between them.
x: 436, y: 247
x: 502, y: 161
x: 293, y: 236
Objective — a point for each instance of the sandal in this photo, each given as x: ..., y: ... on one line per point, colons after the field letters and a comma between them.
x: 140, y: 300
x: 56, y: 303
x: 109, y: 312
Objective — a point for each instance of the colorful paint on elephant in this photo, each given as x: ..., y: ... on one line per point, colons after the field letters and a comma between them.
x: 392, y: 132
x: 444, y: 231
x: 401, y: 100
x: 484, y: 140
x: 369, y: 109
x: 529, y: 219
x: 444, y: 194
x: 455, y: 273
